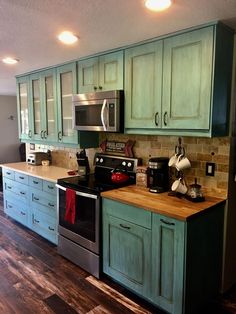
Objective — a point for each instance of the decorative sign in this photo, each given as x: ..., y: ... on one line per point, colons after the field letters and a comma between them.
x: 118, y: 147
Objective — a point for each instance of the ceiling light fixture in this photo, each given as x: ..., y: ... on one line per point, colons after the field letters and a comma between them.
x: 9, y: 60
x: 158, y: 5
x: 67, y: 38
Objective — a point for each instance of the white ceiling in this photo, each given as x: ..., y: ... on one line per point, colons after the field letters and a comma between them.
x: 28, y: 28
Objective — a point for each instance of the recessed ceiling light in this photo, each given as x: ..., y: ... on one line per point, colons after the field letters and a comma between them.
x: 158, y: 5
x: 9, y: 60
x: 67, y: 38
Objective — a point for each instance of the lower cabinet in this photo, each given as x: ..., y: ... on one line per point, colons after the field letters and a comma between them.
x: 31, y: 203
x: 164, y: 260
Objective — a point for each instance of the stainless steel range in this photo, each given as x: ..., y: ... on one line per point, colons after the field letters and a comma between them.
x: 80, y: 240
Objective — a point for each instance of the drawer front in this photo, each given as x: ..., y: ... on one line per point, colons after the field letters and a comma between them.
x: 22, y: 178
x: 44, y: 199
x: 44, y: 225
x: 36, y: 183
x: 16, y: 212
x: 132, y: 214
x: 16, y: 190
x: 8, y: 173
x: 49, y: 187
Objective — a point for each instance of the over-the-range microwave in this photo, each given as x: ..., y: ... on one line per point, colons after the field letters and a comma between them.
x: 99, y: 111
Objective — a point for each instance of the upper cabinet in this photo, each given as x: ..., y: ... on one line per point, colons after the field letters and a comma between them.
x: 25, y: 130
x: 101, y: 73
x: 181, y: 84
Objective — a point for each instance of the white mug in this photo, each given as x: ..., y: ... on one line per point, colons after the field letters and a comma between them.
x: 179, y: 186
x: 173, y: 160
x: 182, y: 163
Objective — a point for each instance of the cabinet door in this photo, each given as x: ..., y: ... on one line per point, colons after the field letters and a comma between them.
x: 126, y: 253
x: 66, y: 86
x: 143, y: 86
x: 111, y: 71
x: 168, y: 247
x: 25, y: 130
x: 37, y: 107
x: 187, y: 80
x: 88, y: 75
x: 48, y: 85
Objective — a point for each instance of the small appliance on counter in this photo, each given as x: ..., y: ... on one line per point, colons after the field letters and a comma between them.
x: 158, y: 174
x: 83, y: 163
x: 194, y: 193
x: 36, y: 158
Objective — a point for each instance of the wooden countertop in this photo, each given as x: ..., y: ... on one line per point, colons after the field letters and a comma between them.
x: 50, y: 173
x: 171, y: 206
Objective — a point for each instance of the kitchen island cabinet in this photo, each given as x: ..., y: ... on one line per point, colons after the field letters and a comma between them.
x: 180, y: 85
x: 30, y: 196
x: 186, y: 247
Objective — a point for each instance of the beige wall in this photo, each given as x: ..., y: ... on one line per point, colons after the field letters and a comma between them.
x: 9, y: 142
x: 198, y: 150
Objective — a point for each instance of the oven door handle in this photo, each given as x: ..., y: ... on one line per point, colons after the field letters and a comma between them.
x: 103, y: 115
x: 78, y: 193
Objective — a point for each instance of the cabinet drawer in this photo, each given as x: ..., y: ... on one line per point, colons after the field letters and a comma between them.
x: 8, y: 173
x: 44, y: 225
x: 132, y: 214
x: 36, y: 183
x: 22, y: 178
x: 16, y: 212
x: 38, y: 197
x: 16, y: 190
x: 49, y: 187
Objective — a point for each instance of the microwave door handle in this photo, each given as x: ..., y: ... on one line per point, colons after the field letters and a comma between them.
x: 103, y: 114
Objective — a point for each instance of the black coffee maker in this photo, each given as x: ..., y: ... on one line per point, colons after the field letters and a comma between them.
x: 83, y: 163
x: 158, y: 174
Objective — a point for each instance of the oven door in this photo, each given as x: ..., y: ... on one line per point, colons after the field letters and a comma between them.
x: 85, y: 230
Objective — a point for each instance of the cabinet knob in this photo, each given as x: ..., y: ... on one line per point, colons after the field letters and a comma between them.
x: 95, y: 87
x: 100, y: 87
x: 165, y: 118
x: 157, y: 118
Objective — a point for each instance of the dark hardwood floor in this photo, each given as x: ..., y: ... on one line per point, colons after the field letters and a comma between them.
x: 35, y: 279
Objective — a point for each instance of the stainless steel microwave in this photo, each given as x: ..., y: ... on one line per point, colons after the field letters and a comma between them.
x: 99, y: 111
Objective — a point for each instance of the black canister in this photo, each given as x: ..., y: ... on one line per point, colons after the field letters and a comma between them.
x: 158, y: 174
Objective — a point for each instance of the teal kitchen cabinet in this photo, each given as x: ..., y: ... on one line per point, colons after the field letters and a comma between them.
x: 143, y: 86
x: 174, y: 264
x: 127, y: 246
x: 23, y: 108
x: 193, y: 85
x: 43, y: 102
x: 32, y: 202
x: 101, y: 73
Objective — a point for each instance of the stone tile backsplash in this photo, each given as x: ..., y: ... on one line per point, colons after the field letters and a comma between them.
x: 198, y: 150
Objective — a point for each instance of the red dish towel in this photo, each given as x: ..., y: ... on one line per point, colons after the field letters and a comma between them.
x: 70, y: 206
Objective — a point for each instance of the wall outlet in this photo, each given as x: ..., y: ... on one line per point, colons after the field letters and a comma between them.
x: 210, y: 169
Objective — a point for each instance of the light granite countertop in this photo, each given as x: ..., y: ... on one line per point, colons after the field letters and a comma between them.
x: 50, y: 173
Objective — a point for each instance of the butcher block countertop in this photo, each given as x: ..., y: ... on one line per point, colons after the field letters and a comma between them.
x: 49, y: 173
x: 171, y: 206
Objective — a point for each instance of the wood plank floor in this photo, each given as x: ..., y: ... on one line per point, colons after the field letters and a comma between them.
x: 35, y: 279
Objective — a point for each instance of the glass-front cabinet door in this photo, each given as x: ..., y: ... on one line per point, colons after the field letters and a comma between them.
x: 66, y: 87
x: 36, y: 102
x: 25, y: 130
x: 48, y: 83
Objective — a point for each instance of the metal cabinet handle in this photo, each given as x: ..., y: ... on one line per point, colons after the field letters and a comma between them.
x: 22, y: 213
x: 124, y: 226
x: 30, y: 134
x: 167, y: 222
x: 50, y: 187
x: 22, y: 193
x: 95, y: 87
x: 50, y: 228
x: 35, y: 182
x: 157, y: 118
x: 59, y: 135
x: 36, y: 199
x: 100, y: 87
x: 37, y: 221
x: 165, y: 118
x: 45, y: 134
x: 9, y: 187
x: 51, y: 205
x: 41, y: 134
x: 22, y: 178
x: 8, y: 173
x: 9, y: 206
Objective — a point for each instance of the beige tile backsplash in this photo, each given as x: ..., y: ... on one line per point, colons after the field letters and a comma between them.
x: 198, y: 150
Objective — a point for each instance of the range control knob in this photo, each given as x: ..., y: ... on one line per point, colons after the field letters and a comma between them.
x: 129, y: 164
x: 97, y: 159
x: 123, y: 163
x: 101, y: 160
